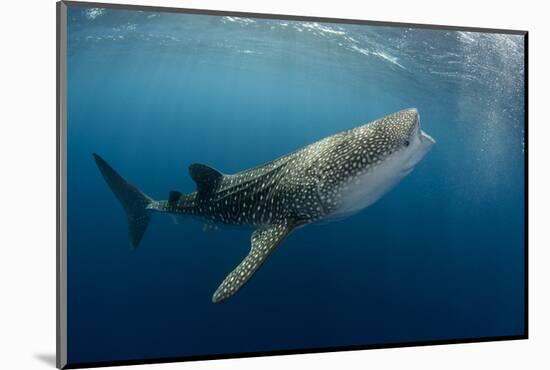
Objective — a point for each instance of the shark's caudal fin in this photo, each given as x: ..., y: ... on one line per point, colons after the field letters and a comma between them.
x: 132, y: 199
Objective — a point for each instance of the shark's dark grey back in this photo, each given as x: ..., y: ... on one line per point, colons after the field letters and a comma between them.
x: 302, y: 186
x: 258, y: 196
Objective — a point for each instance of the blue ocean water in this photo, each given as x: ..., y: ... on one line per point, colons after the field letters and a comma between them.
x: 439, y: 257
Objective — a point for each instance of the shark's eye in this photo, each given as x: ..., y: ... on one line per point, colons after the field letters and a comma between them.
x: 407, y: 142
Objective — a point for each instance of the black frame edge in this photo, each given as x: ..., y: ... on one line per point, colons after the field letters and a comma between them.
x: 290, y: 352
x: 290, y: 17
x: 57, y: 313
x: 61, y: 291
x: 57, y: 189
x: 526, y: 180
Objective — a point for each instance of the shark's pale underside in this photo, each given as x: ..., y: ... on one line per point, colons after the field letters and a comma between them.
x: 332, y: 178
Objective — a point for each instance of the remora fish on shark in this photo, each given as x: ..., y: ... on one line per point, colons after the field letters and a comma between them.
x: 331, y: 178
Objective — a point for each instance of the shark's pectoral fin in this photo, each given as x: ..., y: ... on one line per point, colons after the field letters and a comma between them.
x: 263, y: 242
x: 207, y: 178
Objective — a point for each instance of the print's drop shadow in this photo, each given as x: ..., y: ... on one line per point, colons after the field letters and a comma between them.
x: 47, y: 358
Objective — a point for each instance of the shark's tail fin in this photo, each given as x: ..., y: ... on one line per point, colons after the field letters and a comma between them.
x: 132, y: 199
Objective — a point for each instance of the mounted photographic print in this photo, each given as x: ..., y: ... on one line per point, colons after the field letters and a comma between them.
x: 234, y: 184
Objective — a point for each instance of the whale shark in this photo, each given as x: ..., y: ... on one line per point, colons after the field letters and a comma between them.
x: 328, y: 180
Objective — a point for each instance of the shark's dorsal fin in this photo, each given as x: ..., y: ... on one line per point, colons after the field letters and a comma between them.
x: 263, y: 242
x: 207, y: 178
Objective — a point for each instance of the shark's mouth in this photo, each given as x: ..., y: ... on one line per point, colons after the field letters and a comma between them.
x: 424, y: 137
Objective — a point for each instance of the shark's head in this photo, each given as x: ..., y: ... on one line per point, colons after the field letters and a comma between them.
x: 383, y: 152
x: 401, y: 140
